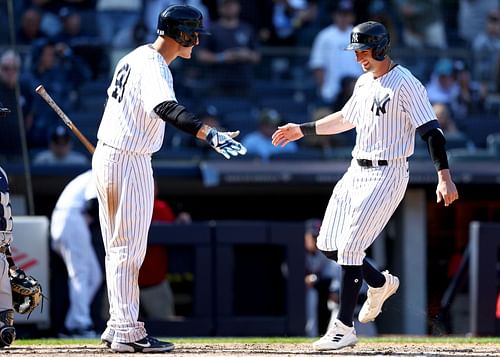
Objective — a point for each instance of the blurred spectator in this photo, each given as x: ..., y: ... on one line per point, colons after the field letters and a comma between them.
x: 289, y: 19
x: 329, y: 61
x: 423, y: 24
x: 442, y: 86
x: 153, y: 7
x: 60, y: 151
x: 131, y: 37
x: 384, y: 12
x: 115, y: 16
x: 29, y: 29
x: 472, y: 16
x: 10, y: 133
x: 60, y: 72
x: 486, y: 52
x: 319, y: 274
x: 156, y: 296
x: 472, y: 94
x: 259, y: 142
x: 445, y: 120
x: 51, y: 23
x: 451, y: 84
x: 81, y: 42
x: 259, y: 14
x: 346, y: 88
x: 231, y: 52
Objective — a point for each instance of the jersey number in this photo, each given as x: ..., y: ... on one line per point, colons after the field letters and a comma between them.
x: 120, y: 82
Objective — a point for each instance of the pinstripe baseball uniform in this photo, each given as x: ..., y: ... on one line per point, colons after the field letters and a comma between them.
x: 72, y: 240
x: 386, y: 112
x: 129, y: 133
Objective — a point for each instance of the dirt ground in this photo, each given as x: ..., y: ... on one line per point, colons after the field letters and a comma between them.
x: 278, y: 350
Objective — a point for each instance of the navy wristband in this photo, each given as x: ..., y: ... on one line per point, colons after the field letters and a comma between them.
x: 308, y: 129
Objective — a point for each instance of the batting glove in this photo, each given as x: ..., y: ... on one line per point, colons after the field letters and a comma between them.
x: 224, y: 144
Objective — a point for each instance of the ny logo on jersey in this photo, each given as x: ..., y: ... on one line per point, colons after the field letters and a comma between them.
x: 380, y: 100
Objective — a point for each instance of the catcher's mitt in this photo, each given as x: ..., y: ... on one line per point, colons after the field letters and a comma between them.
x: 26, y: 291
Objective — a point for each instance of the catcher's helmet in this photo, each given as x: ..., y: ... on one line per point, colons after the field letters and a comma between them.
x: 370, y: 34
x: 183, y: 23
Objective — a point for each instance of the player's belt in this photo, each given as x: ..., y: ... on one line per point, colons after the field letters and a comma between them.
x: 371, y: 163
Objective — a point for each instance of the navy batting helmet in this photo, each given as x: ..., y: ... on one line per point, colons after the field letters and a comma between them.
x: 183, y: 23
x: 370, y: 34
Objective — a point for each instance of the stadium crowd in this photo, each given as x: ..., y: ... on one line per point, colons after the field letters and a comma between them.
x: 284, y: 55
x: 266, y: 62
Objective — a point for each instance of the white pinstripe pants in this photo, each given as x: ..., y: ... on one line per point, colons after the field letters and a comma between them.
x: 125, y: 193
x: 361, y: 204
x: 72, y: 240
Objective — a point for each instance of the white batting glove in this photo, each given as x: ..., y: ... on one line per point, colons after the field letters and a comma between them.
x: 224, y: 144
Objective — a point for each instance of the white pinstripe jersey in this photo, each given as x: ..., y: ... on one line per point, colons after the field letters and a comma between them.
x: 141, y: 81
x: 386, y: 111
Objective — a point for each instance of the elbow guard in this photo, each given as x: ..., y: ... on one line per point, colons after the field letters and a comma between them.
x: 178, y: 116
x: 436, y: 144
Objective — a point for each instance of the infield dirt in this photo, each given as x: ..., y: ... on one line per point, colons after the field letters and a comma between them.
x: 266, y: 349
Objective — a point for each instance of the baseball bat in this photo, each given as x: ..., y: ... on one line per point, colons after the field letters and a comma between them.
x: 46, y: 96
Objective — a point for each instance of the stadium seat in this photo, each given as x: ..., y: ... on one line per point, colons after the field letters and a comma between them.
x: 230, y: 104
x: 244, y: 121
x: 306, y: 154
x: 339, y: 153
x: 461, y: 155
x: 94, y: 88
x: 92, y: 103
x: 285, y: 105
x: 180, y: 154
x: 479, y: 127
x: 86, y: 119
x: 456, y: 141
x: 214, y: 155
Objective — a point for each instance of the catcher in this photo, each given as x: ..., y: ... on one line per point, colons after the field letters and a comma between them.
x: 18, y: 291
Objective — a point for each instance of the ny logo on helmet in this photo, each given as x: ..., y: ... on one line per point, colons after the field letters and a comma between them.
x: 354, y: 37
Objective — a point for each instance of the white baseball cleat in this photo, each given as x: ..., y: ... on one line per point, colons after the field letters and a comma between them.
x: 337, y: 337
x: 376, y: 298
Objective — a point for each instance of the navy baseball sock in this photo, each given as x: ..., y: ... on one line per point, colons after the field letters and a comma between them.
x: 352, y: 278
x: 372, y: 276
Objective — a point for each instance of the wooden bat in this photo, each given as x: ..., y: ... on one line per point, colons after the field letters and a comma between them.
x: 43, y: 93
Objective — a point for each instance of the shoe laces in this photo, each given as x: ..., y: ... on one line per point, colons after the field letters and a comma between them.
x: 370, y: 298
x: 335, y: 330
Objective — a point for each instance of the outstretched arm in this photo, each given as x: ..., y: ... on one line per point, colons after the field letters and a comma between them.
x: 331, y: 124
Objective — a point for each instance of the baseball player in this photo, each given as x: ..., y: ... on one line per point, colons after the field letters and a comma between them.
x: 387, y: 106
x: 7, y: 330
x: 141, y: 99
x: 72, y: 240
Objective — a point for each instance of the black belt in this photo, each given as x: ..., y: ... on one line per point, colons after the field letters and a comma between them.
x: 371, y: 163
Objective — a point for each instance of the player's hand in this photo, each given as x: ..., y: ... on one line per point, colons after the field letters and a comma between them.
x: 446, y: 190
x: 286, y: 133
x: 224, y: 144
